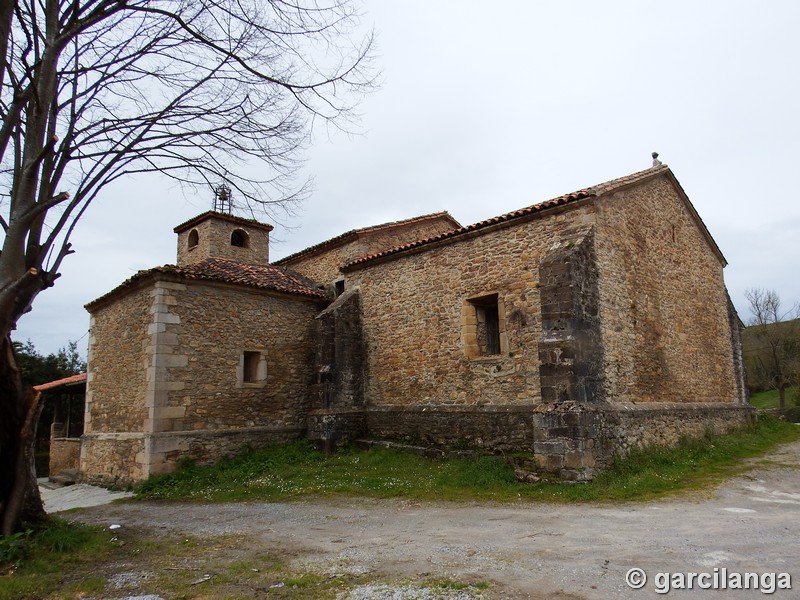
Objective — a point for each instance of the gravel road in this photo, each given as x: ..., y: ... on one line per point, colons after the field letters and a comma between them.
x: 530, y: 550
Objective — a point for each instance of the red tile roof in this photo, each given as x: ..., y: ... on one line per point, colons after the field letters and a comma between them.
x: 560, y: 201
x: 591, y: 192
x: 224, y: 270
x: 615, y: 184
x: 355, y: 233
x: 266, y: 277
x: 223, y: 216
x: 67, y: 381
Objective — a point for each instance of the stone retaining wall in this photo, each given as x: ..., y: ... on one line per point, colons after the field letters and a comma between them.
x: 328, y: 428
x: 109, y: 455
x: 576, y: 441
x: 491, y: 427
x: 571, y: 439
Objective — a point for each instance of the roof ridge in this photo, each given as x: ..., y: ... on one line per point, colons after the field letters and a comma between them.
x: 77, y: 378
x: 596, y: 190
x: 613, y: 184
x: 342, y: 238
x: 225, y: 217
x: 553, y: 202
x: 227, y: 270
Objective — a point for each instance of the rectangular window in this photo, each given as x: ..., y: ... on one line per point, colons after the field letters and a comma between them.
x: 482, y: 326
x: 489, y: 329
x: 250, y: 365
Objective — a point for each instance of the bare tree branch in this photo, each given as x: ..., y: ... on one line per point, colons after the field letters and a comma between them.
x: 199, y: 91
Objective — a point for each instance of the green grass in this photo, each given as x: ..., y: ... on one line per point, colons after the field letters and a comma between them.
x: 298, y: 470
x: 770, y: 399
x: 50, y: 560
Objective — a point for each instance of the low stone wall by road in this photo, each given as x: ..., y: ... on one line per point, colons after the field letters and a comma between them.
x: 574, y: 440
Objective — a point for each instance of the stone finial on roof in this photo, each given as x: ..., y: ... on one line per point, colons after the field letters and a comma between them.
x: 656, y: 162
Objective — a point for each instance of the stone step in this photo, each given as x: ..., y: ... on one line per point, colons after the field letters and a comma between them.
x: 66, y: 477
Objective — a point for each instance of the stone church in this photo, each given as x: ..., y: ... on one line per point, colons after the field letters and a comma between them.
x: 572, y: 330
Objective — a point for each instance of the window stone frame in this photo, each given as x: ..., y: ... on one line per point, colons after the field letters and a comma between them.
x: 261, y: 370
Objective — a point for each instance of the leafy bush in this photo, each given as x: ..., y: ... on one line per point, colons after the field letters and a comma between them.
x: 12, y: 547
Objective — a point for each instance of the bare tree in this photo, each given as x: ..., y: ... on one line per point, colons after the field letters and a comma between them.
x: 201, y: 91
x: 776, y: 333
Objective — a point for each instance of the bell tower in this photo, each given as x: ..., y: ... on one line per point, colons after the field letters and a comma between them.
x: 220, y: 234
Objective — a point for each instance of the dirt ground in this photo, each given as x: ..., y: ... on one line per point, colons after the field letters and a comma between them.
x: 525, y: 550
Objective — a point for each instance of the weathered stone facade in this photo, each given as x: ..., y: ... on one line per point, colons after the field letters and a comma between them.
x: 323, y: 261
x: 663, y: 304
x: 573, y: 330
x: 337, y: 394
x: 416, y: 329
x: 65, y: 454
x: 167, y: 372
x: 605, y: 332
x: 223, y: 236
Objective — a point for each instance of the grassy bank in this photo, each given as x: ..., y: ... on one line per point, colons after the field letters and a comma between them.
x: 297, y: 470
x: 770, y: 399
x: 34, y: 564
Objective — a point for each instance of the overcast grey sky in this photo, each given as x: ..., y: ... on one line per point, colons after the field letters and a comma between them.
x: 489, y: 107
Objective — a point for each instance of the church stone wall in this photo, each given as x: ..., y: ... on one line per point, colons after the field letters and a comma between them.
x: 167, y: 376
x: 419, y: 320
x: 117, y: 369
x: 614, y: 334
x: 324, y: 266
x: 576, y: 334
x: 663, y: 304
x: 216, y: 325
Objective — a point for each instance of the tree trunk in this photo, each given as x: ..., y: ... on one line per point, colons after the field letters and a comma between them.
x: 782, y: 397
x: 20, y: 502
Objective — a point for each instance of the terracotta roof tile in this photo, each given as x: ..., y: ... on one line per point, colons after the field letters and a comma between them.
x: 72, y: 380
x: 560, y: 201
x: 266, y: 277
x: 591, y: 192
x: 614, y: 184
x: 223, y: 270
x: 354, y: 233
x: 225, y: 217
